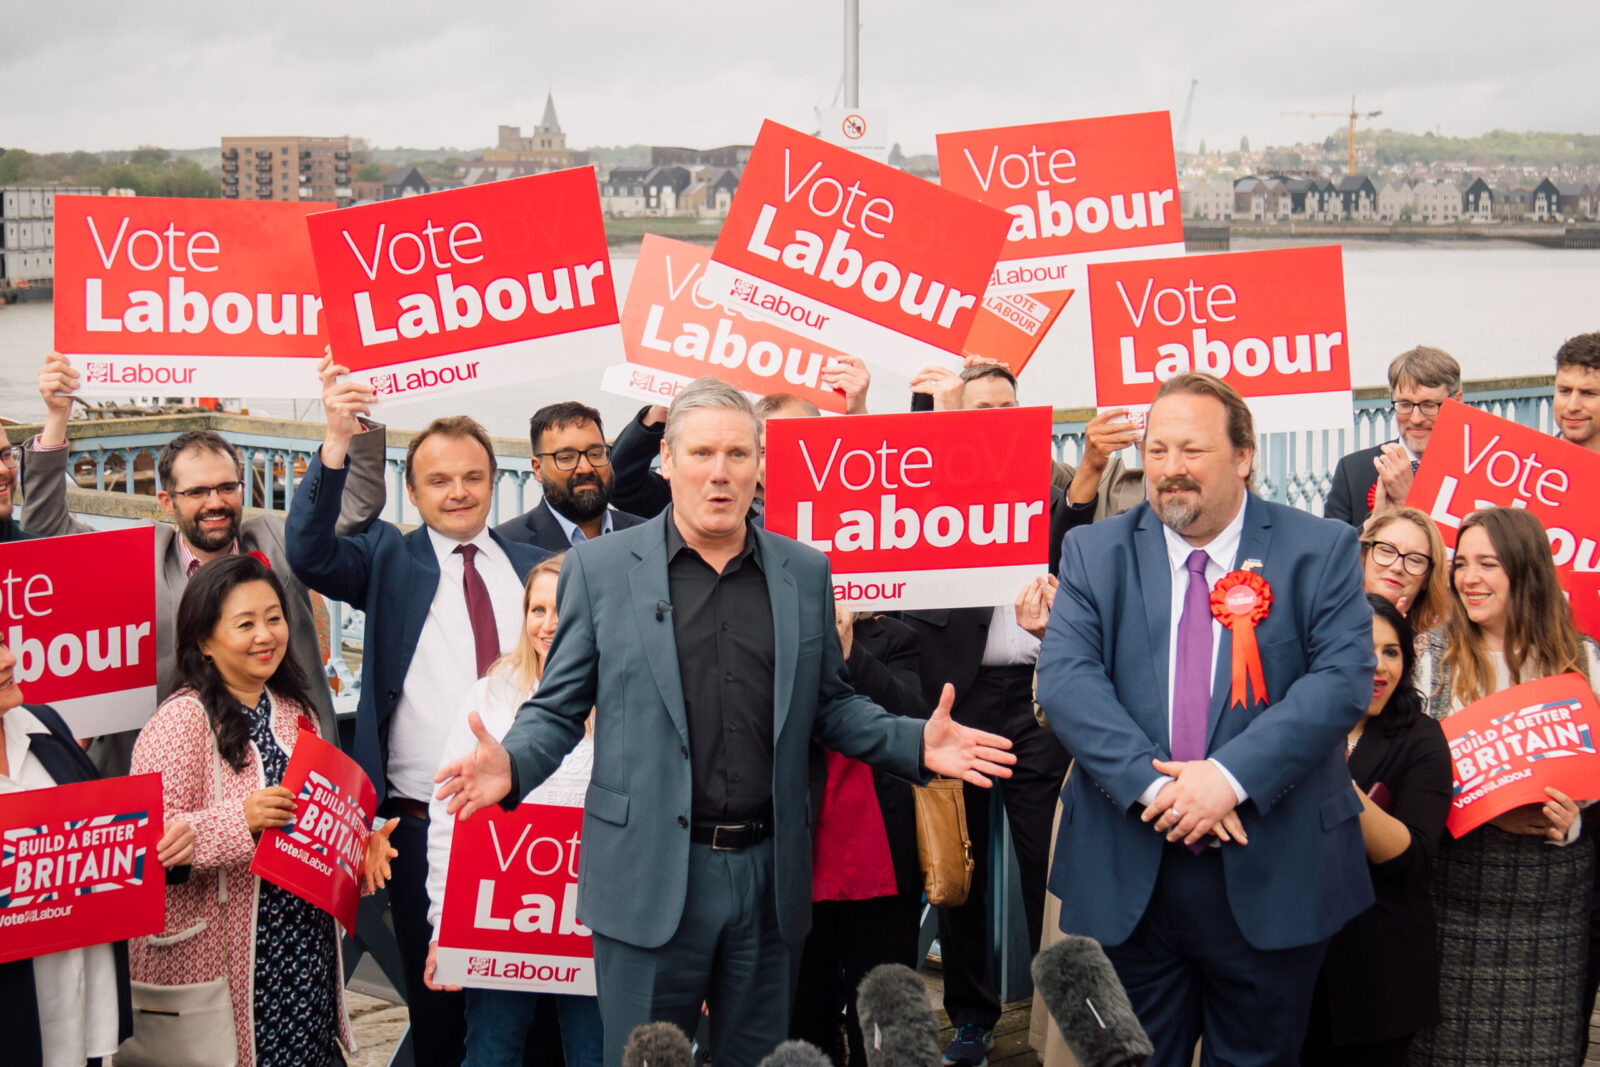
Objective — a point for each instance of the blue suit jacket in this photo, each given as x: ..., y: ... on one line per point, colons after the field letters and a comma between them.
x: 540, y: 528
x: 613, y: 653
x: 1103, y: 684
x: 389, y: 575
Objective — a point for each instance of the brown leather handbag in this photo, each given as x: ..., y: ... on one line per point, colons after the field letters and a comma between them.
x: 943, y: 844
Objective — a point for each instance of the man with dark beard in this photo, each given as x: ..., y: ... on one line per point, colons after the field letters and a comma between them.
x: 202, y: 492
x: 573, y: 464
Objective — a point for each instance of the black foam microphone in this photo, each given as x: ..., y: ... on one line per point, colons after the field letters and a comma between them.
x: 662, y: 607
x: 796, y: 1054
x: 898, y: 1026
x: 1083, y: 995
x: 657, y: 1045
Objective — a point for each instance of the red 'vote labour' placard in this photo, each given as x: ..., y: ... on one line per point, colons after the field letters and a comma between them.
x: 510, y: 918
x: 79, y: 614
x: 469, y: 288
x: 854, y: 254
x: 941, y: 509
x: 1506, y: 748
x: 1478, y: 460
x: 1271, y: 324
x: 1077, y: 192
x: 194, y: 297
x: 1010, y: 326
x: 318, y: 857
x: 79, y: 866
x: 673, y: 333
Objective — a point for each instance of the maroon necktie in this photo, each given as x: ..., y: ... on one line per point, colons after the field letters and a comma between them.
x: 485, y: 633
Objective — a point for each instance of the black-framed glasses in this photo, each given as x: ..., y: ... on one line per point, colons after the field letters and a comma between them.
x: 1384, y: 554
x: 11, y: 455
x: 1404, y: 408
x: 201, y: 492
x: 566, y: 459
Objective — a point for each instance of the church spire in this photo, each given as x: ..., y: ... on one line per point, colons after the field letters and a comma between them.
x: 549, y: 124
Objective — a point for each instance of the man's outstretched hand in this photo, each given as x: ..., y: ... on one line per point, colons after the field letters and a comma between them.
x: 480, y: 778
x: 957, y: 751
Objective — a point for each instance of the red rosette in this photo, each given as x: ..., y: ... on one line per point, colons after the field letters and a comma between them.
x: 1240, y: 601
x: 306, y: 724
x: 260, y: 557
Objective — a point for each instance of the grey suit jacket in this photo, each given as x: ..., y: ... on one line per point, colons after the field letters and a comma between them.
x: 613, y: 653
x: 44, y: 481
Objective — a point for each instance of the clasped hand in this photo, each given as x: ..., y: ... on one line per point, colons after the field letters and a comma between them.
x: 1198, y: 801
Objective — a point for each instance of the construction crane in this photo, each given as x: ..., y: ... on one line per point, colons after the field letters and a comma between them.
x: 1180, y: 147
x: 1353, y: 116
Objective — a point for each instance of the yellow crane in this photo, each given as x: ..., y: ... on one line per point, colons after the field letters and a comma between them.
x: 1353, y: 116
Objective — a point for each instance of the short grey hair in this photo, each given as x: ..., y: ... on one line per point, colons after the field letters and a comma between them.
x: 1428, y: 368
x: 704, y: 394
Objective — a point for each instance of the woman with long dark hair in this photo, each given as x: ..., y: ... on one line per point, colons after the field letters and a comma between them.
x: 1380, y: 979
x: 1511, y: 897
x: 222, y: 742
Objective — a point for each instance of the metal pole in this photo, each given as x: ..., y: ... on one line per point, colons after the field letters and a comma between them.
x: 852, y: 53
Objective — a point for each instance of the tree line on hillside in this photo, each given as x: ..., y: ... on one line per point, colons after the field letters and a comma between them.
x: 1496, y: 146
x: 147, y: 171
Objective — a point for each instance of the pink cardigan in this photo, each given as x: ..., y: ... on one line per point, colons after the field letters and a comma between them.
x: 177, y: 743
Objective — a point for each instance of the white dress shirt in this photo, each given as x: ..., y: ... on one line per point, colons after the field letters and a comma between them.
x: 445, y: 663
x: 574, y: 532
x: 1221, y: 551
x: 1008, y: 644
x: 76, y: 989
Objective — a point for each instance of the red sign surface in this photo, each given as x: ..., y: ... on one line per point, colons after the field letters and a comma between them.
x: 1076, y: 192
x: 1271, y: 324
x: 1010, y: 326
x: 1478, y: 460
x: 854, y: 254
x: 318, y: 857
x: 191, y: 297
x: 510, y: 918
x: 673, y: 333
x: 1506, y: 748
x: 468, y: 288
x: 79, y: 866
x: 921, y: 510
x: 84, y: 644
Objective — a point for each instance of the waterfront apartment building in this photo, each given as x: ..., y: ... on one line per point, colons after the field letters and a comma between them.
x: 287, y: 168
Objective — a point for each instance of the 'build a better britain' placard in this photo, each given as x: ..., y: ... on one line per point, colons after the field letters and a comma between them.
x: 910, y: 509
x: 469, y: 288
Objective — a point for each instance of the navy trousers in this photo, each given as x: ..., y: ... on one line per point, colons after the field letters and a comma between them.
x: 1190, y: 973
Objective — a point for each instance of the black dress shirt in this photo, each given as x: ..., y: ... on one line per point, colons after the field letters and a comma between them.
x: 726, y: 652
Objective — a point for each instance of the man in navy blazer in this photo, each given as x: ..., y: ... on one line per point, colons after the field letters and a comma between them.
x: 707, y: 649
x: 1212, y: 846
x: 422, y: 651
x: 573, y: 464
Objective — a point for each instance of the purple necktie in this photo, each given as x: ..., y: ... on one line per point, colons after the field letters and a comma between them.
x: 1191, y: 681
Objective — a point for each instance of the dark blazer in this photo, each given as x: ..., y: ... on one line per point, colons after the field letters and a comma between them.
x: 540, y: 528
x: 11, y: 530
x: 1102, y: 682
x: 617, y: 654
x: 1381, y: 974
x: 635, y: 487
x: 65, y: 762
x: 1353, y: 479
x: 392, y: 577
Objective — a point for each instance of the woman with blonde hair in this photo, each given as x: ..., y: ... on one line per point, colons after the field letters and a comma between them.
x: 1403, y: 560
x: 498, y: 1020
x: 1511, y: 897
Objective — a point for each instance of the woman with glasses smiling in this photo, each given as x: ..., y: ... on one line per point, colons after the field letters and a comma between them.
x: 1403, y: 560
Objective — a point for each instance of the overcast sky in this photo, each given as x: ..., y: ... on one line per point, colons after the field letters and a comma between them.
x: 182, y: 74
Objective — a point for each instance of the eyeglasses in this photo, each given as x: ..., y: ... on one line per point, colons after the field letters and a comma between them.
x: 566, y: 459
x: 1404, y: 408
x: 200, y: 492
x: 11, y: 455
x: 1384, y: 554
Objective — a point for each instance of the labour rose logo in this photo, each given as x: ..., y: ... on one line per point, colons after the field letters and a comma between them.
x: 383, y: 383
x: 99, y: 372
x: 744, y: 290
x: 640, y: 379
x: 479, y: 965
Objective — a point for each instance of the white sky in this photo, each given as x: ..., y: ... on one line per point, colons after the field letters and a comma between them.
x: 182, y: 74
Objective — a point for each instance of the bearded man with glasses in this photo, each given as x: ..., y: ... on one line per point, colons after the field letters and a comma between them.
x: 1420, y: 380
x: 200, y: 476
x: 573, y: 464
x: 10, y: 461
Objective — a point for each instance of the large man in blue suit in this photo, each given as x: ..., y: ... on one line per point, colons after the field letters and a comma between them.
x: 707, y: 648
x: 1211, y: 846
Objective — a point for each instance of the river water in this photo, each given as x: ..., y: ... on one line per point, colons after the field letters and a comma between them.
x: 1500, y: 308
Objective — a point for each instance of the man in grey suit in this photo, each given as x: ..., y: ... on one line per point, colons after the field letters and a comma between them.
x: 202, y: 493
x: 708, y: 650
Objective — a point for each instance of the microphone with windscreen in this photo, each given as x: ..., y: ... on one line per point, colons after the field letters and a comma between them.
x: 1080, y: 989
x: 796, y: 1054
x: 898, y: 1026
x: 657, y: 1045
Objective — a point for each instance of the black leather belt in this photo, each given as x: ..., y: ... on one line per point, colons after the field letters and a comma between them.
x: 730, y: 837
